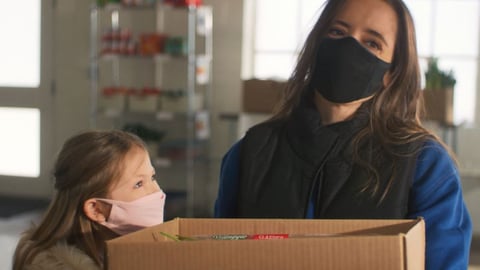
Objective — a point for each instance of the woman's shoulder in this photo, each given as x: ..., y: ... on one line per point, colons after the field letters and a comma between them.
x: 433, y: 152
x: 62, y: 256
x: 435, y: 166
x: 267, y: 125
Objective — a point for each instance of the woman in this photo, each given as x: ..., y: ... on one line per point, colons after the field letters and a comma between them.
x: 347, y: 141
x: 105, y: 187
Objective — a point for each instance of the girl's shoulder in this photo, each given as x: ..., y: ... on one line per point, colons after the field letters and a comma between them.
x: 62, y: 256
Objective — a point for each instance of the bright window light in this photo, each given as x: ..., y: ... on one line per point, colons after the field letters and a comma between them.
x: 446, y: 29
x: 280, y: 35
x: 20, y: 47
x: 20, y: 142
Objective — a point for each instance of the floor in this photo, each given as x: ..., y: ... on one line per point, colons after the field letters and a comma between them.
x: 475, y: 253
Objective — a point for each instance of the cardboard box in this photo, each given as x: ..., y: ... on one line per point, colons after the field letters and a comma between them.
x: 439, y: 105
x: 261, y: 96
x: 314, y: 244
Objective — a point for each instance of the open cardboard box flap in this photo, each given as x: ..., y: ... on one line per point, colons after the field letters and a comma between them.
x: 331, y: 244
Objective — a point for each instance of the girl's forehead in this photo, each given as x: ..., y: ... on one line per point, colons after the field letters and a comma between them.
x: 135, y: 161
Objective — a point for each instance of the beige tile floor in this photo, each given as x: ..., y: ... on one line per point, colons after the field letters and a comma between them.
x: 475, y: 254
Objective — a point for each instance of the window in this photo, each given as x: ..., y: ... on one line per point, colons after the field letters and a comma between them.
x: 22, y: 94
x: 278, y: 34
x: 20, y: 142
x: 452, y: 37
x: 20, y: 46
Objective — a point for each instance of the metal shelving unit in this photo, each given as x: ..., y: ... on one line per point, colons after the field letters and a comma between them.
x: 197, y: 57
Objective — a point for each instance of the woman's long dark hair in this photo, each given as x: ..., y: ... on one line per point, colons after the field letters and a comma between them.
x: 394, y: 112
x: 87, y: 167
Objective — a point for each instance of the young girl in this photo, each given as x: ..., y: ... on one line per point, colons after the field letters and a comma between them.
x: 105, y: 187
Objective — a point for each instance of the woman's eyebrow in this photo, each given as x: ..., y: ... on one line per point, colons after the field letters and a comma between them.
x: 343, y: 23
x: 378, y: 35
x: 369, y: 30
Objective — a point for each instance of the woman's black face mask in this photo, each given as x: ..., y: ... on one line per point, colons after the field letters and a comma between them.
x: 345, y: 71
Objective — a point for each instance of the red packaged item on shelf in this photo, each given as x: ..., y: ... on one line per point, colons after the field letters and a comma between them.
x: 149, y: 91
x: 183, y: 3
x: 131, y: 47
x: 124, y: 34
x: 151, y: 44
x: 130, y: 91
x: 109, y: 91
x: 133, y: 2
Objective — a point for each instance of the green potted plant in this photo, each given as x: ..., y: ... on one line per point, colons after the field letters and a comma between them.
x: 437, y: 79
x: 438, y: 93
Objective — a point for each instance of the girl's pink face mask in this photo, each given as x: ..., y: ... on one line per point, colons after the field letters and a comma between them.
x: 127, y: 217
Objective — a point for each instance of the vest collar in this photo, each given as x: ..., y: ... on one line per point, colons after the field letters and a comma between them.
x: 315, y: 141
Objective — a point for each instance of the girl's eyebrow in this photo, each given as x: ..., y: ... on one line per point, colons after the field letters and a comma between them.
x: 144, y: 174
x: 369, y: 30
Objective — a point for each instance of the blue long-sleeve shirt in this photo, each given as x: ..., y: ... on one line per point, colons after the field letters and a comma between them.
x: 436, y: 195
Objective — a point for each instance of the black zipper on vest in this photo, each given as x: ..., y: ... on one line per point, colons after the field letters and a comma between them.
x: 316, y: 182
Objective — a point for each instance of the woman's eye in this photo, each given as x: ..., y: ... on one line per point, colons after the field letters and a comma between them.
x: 139, y: 184
x: 373, y: 45
x: 154, y: 178
x: 334, y: 32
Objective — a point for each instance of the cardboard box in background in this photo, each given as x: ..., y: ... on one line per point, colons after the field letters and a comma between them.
x: 337, y: 244
x: 261, y: 96
x: 439, y: 105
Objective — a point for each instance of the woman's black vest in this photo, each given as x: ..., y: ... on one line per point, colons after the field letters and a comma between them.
x: 283, y: 163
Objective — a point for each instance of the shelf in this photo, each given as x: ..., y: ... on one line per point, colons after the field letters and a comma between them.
x: 176, y: 102
x: 157, y: 57
x: 159, y: 115
x: 119, y: 6
x: 115, y: 6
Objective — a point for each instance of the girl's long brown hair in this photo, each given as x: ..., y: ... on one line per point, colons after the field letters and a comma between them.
x: 394, y: 112
x: 86, y: 167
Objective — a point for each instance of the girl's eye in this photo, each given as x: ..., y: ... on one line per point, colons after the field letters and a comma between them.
x: 154, y: 178
x: 139, y: 184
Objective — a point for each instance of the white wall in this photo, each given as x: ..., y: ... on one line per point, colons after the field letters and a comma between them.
x: 226, y: 97
x: 71, y: 68
x: 469, y: 160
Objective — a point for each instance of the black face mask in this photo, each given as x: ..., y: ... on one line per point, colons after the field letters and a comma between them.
x: 346, y: 71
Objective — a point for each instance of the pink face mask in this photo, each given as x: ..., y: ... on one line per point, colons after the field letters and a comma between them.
x: 127, y: 217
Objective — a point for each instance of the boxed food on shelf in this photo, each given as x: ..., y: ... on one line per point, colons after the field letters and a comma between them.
x: 176, y: 46
x: 152, y: 43
x: 261, y: 96
x: 272, y: 244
